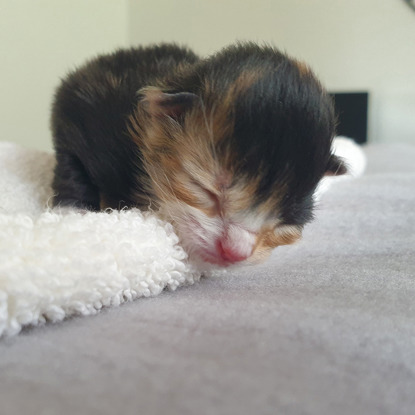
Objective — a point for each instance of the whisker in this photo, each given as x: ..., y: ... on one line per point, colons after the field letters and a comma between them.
x: 174, y: 194
x: 165, y: 194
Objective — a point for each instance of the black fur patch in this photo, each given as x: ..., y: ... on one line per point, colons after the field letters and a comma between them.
x: 89, y: 123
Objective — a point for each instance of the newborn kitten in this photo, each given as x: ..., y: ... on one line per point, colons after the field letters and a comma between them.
x: 230, y: 148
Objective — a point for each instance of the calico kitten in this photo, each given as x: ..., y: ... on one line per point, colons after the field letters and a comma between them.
x: 229, y: 148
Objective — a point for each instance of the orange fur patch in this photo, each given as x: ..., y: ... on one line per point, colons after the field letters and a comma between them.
x: 243, y: 82
x: 113, y: 80
x: 303, y: 68
x: 270, y: 238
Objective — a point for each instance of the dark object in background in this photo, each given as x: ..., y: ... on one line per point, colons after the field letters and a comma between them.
x: 410, y: 3
x: 351, y: 109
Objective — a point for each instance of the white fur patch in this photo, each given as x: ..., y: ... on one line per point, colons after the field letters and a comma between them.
x: 240, y: 240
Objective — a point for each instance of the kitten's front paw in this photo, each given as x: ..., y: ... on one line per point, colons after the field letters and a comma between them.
x: 354, y: 158
x: 352, y: 154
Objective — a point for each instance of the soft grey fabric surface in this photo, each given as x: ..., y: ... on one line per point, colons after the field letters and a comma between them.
x: 324, y: 327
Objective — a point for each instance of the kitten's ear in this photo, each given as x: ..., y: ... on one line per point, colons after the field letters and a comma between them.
x: 336, y: 166
x: 162, y: 104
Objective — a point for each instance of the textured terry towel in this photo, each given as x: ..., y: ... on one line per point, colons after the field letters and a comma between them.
x: 55, y: 264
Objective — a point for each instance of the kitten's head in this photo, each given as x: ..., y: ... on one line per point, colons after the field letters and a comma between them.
x: 235, y: 147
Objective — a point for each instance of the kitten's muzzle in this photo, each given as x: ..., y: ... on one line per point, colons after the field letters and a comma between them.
x: 234, y: 245
x: 230, y: 254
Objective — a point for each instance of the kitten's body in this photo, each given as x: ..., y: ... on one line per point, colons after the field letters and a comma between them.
x: 230, y: 148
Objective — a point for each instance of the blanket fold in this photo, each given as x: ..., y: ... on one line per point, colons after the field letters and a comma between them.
x: 56, y: 263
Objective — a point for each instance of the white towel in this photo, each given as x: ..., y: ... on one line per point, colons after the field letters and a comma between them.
x: 55, y: 264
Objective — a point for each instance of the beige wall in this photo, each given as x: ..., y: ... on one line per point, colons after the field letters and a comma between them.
x: 351, y: 44
x: 40, y: 40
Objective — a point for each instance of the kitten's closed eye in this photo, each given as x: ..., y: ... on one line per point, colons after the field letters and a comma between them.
x: 211, y: 194
x: 216, y: 201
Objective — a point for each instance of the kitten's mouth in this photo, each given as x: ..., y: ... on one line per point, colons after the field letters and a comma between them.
x: 222, y: 256
x: 214, y: 259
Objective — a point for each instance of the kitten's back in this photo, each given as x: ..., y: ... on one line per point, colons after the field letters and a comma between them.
x: 89, y: 117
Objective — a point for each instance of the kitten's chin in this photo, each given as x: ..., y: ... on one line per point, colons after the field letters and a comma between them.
x: 208, y: 262
x: 211, y: 262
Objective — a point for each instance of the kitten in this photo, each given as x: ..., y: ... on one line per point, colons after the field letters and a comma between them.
x: 229, y: 148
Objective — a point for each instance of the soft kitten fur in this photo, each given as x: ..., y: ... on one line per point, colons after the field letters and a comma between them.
x: 229, y: 148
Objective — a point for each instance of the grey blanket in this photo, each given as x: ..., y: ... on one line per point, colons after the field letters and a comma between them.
x: 325, y: 327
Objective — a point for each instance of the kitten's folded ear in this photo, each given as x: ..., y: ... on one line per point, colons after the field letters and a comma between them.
x: 336, y: 166
x: 162, y: 104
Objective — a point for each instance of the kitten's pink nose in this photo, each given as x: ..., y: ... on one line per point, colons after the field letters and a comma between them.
x: 235, y: 245
x: 230, y: 254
